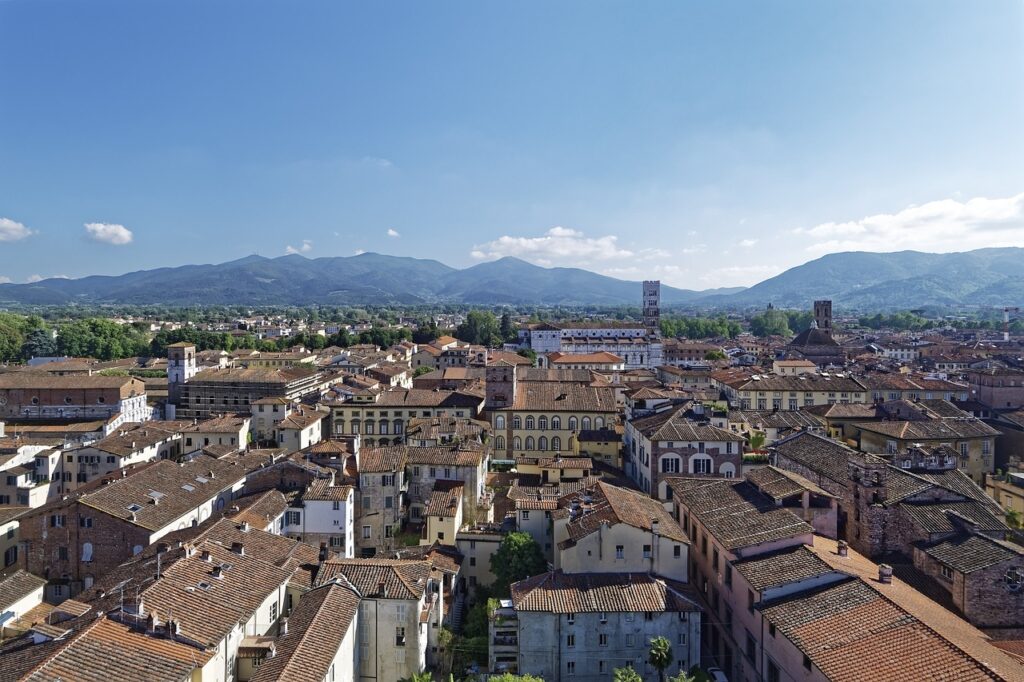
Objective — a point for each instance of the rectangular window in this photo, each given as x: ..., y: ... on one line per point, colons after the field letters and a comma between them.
x: 751, y: 647
x: 728, y: 574
x: 570, y: 667
x: 714, y: 559
x: 677, y: 551
x: 399, y: 636
x: 570, y: 618
x: 525, y: 515
x: 620, y: 552
x: 647, y: 551
x: 947, y: 573
x: 570, y: 640
x: 366, y: 532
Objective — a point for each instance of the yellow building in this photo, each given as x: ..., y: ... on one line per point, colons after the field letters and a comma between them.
x: 1007, y: 490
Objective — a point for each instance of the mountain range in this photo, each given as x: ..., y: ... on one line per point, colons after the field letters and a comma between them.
x: 857, y: 280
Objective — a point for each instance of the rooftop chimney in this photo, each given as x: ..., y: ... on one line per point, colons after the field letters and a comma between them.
x: 324, y: 553
x: 284, y: 626
x: 244, y: 527
x: 238, y: 548
x: 205, y: 556
x: 382, y: 589
x: 842, y: 548
x: 884, y: 573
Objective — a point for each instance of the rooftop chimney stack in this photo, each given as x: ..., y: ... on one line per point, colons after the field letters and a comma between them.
x: 884, y: 573
x: 842, y: 548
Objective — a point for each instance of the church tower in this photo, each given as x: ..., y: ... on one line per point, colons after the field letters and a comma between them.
x: 181, y: 366
x: 652, y: 305
x: 823, y: 316
x: 500, y: 385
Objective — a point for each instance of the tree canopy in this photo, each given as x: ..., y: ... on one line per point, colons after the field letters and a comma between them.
x: 518, y: 556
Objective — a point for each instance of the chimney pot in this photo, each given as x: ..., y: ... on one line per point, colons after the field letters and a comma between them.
x: 884, y: 573
x: 284, y: 626
x: 205, y: 556
x: 842, y: 548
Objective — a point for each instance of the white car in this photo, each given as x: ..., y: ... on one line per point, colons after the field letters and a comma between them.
x: 717, y: 675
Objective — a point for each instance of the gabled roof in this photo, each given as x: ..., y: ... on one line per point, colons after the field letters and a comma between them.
x: 969, y: 553
x: 316, y: 628
x: 790, y: 565
x: 821, y: 455
x: 735, y: 512
x: 558, y: 592
x: 609, y: 504
x: 673, y: 425
x: 399, y: 579
x: 17, y: 586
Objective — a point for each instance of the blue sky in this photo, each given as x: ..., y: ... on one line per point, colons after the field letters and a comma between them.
x: 706, y: 143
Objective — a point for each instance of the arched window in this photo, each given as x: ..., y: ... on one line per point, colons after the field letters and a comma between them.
x: 572, y: 424
x: 556, y: 444
x: 384, y: 442
x: 700, y: 464
x: 542, y: 423
x: 529, y: 443
x: 599, y: 422
x: 556, y: 422
x: 499, y: 421
x: 728, y: 470
x: 383, y: 427
x: 542, y: 443
x: 530, y: 425
x: 499, y: 443
x: 517, y: 444
x: 586, y: 424
x: 517, y: 422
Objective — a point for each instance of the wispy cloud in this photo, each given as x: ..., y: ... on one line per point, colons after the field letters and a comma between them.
x: 748, y: 243
x: 393, y: 233
x: 12, y: 230
x: 558, y: 245
x: 359, y: 252
x: 937, y: 226
x: 109, y: 233
x: 5, y: 280
x: 739, y: 275
x: 32, y: 279
x: 305, y: 247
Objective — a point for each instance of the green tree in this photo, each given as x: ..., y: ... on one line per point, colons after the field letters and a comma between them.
x: 626, y: 674
x: 714, y: 355
x: 38, y: 343
x: 102, y: 339
x: 770, y: 323
x: 420, y: 371
x: 480, y: 327
x: 660, y: 655
x: 507, y: 329
x: 528, y: 353
x: 509, y: 677
x: 426, y: 333
x: 1013, y: 518
x: 518, y: 556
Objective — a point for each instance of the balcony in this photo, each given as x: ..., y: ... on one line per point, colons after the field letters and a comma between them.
x: 501, y: 641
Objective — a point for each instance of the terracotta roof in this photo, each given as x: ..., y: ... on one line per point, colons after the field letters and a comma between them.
x: 382, y: 460
x: 935, y: 517
x: 970, y: 553
x: 229, y: 423
x: 962, y: 634
x: 611, y: 504
x: 779, y: 484
x: 259, y: 509
x: 400, y: 579
x: 821, y: 455
x: 735, y: 512
x: 601, y: 357
x: 938, y: 429
x: 445, y: 500
x: 322, y: 489
x: 790, y: 565
x: 851, y: 632
x: 316, y: 628
x: 558, y: 592
x: 560, y: 396
x: 463, y: 455
x: 256, y: 375
x: 30, y: 380
x: 301, y: 419
x: 135, y: 437
x: 88, y: 656
x: 420, y: 397
x: 17, y: 586
x: 163, y: 492
x: 675, y: 426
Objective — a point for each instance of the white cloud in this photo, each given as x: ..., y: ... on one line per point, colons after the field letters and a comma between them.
x: 5, y: 280
x: 305, y: 247
x: 747, y: 243
x: 393, y: 233
x: 12, y: 230
x: 739, y: 275
x: 109, y: 233
x: 34, y: 278
x: 937, y: 226
x: 559, y: 245
x: 359, y: 252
